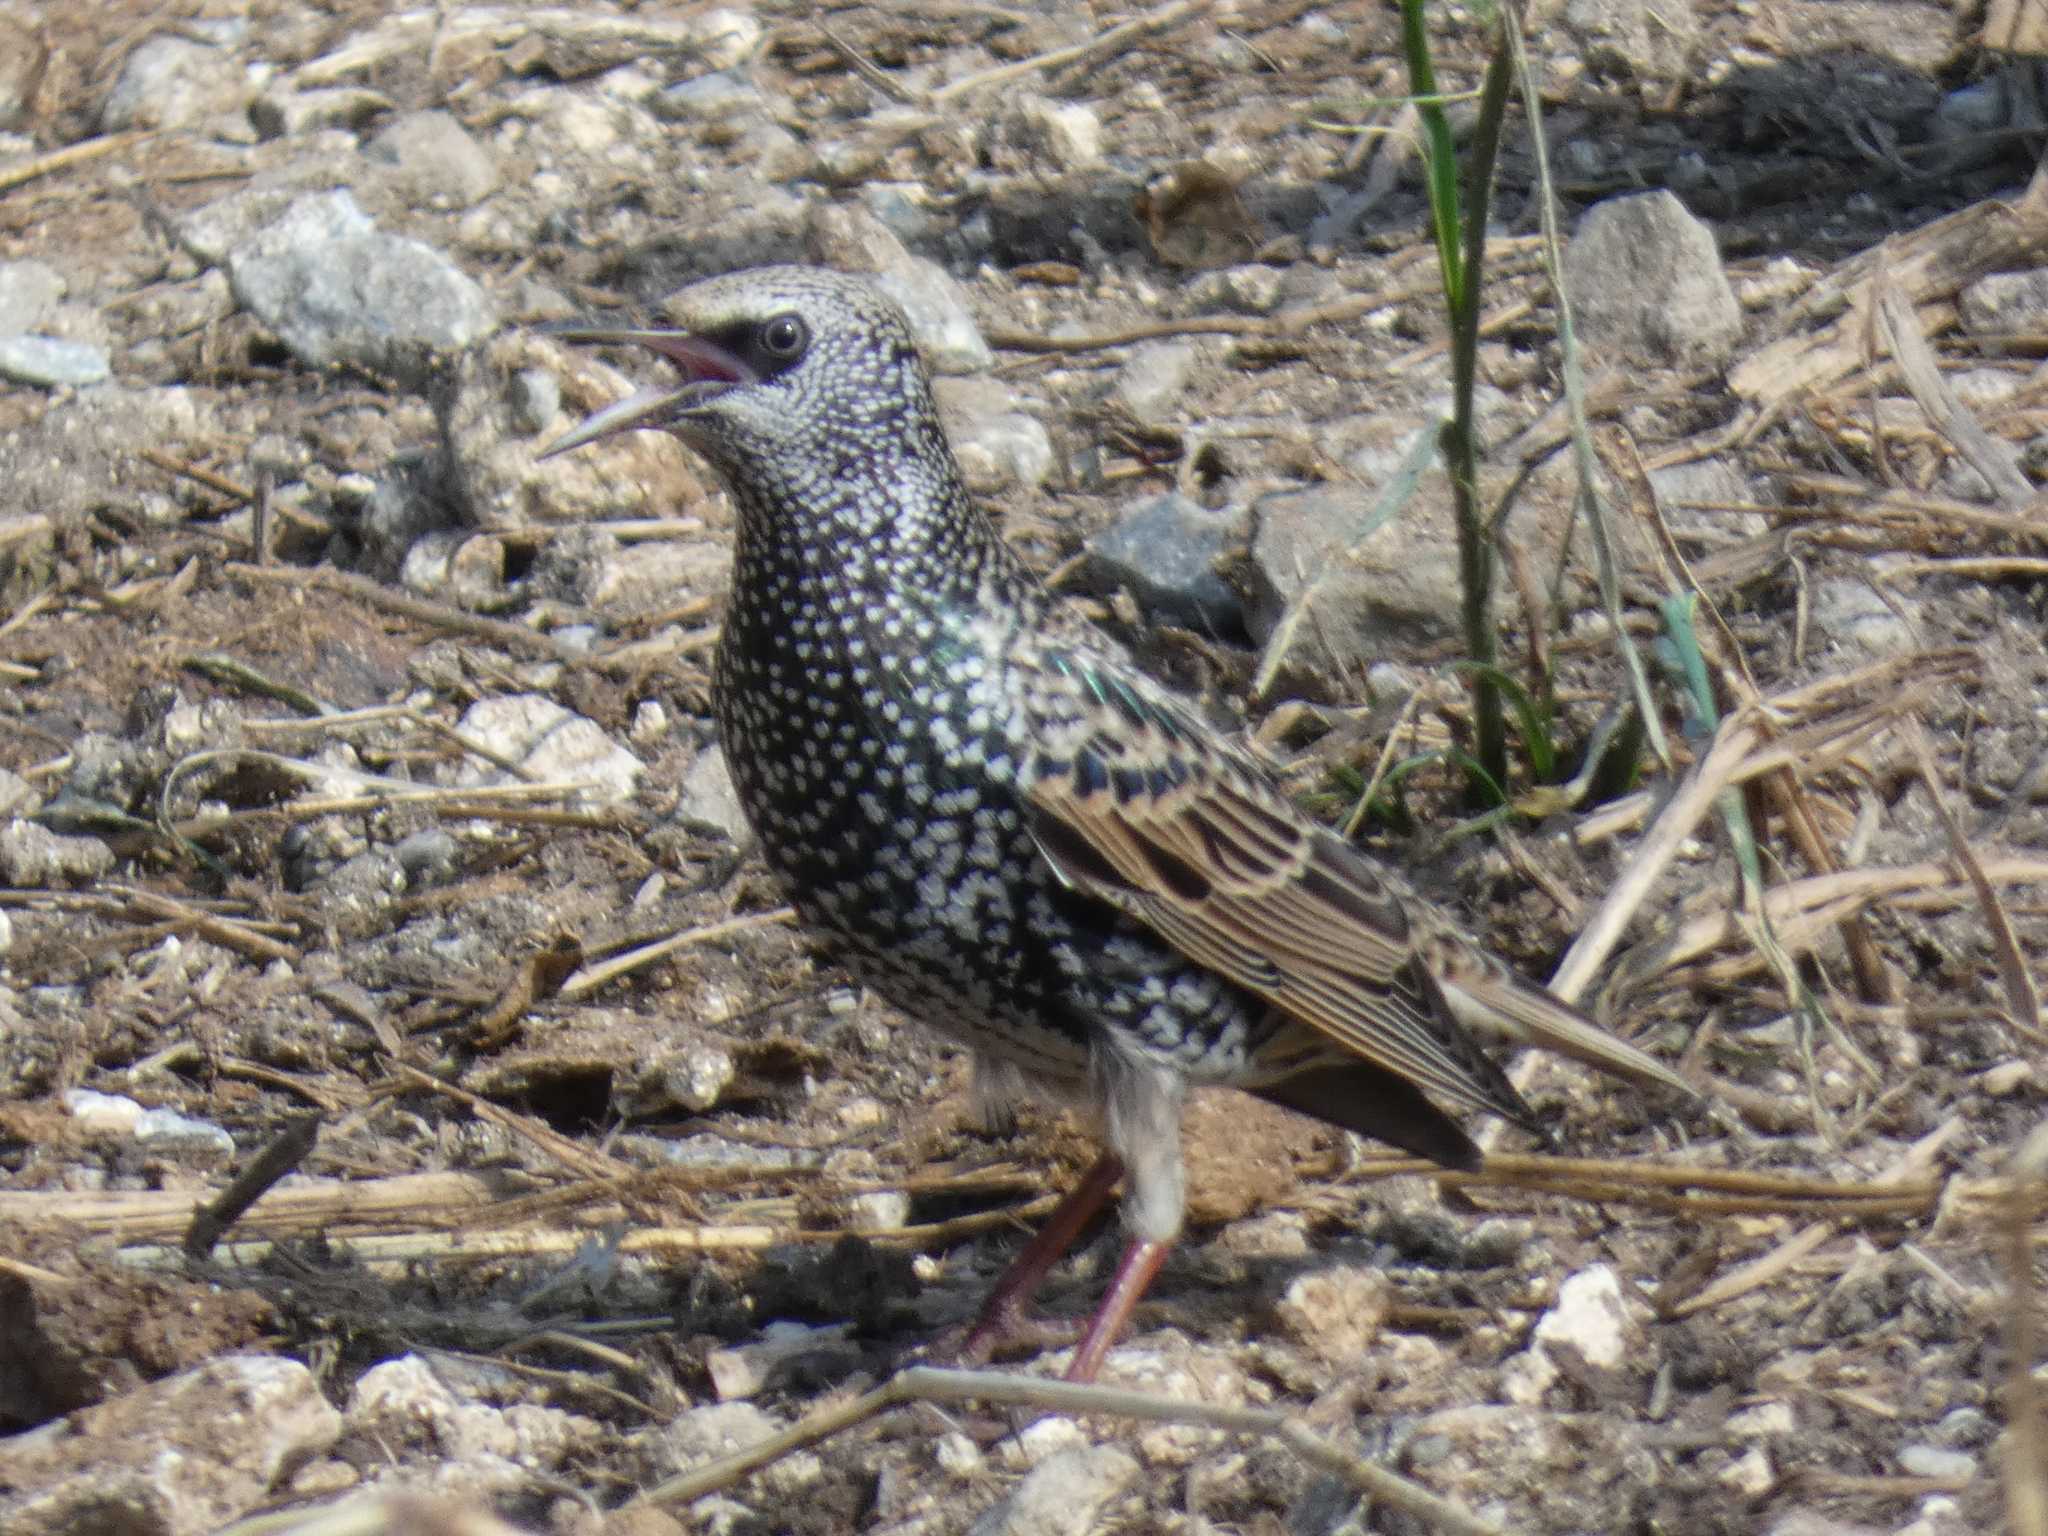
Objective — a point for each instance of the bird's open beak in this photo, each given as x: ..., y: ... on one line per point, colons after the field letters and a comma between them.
x: 708, y: 369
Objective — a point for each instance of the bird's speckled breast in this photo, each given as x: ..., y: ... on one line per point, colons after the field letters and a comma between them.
x: 869, y: 746
x: 877, y: 745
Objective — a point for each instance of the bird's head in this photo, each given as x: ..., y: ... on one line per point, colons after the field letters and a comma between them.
x: 785, y: 370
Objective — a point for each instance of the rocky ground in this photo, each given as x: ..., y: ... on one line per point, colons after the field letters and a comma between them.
x: 365, y: 846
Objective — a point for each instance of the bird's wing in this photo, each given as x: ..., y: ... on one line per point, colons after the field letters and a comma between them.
x: 1135, y: 802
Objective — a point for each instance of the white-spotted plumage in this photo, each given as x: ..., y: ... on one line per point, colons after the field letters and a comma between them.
x: 1009, y: 830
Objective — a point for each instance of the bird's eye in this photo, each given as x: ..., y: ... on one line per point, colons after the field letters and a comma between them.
x: 784, y: 338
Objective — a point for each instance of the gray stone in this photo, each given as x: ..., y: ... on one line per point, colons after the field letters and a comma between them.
x: 536, y: 399
x: 1967, y: 1426
x: 427, y: 857
x: 709, y: 98
x: 1250, y: 288
x: 2006, y: 303
x: 336, y: 289
x: 1152, y: 379
x: 1643, y: 39
x: 212, y: 230
x: 706, y: 798
x: 1164, y: 551
x: 1646, y: 282
x: 1002, y: 451
x: 692, y: 1077
x: 907, y: 211
x: 171, y: 82
x: 486, y: 454
x: 940, y: 321
x: 29, y: 291
x: 178, y: 1457
x: 725, y: 37
x: 403, y: 507
x: 854, y: 240
x: 433, y: 161
x: 1809, y: 1522
x: 780, y: 1349
x: 1973, y: 111
x: 1350, y: 591
x: 1335, y: 1311
x: 698, y: 1435
x: 1065, y: 134
x: 591, y: 568
x: 22, y: 60
x: 359, y: 895
x: 997, y: 444
x: 189, y: 1138
x: 1062, y: 1495
x: 407, y: 1402
x: 34, y: 856
x: 454, y: 565
x: 1851, y: 613
x: 49, y: 362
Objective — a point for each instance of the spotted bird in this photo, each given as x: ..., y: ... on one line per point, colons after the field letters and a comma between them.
x: 1011, y: 832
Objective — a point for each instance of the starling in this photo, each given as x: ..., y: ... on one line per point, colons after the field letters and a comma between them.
x: 1011, y: 832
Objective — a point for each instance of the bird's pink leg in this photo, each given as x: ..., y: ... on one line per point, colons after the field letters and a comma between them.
x: 1003, y: 1316
x: 1134, y: 1273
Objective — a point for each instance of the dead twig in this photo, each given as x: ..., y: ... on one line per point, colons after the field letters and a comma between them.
x: 1996, y: 461
x: 591, y: 977
x: 925, y: 1384
x: 362, y: 589
x: 282, y: 1156
x: 1102, y: 46
x: 2021, y: 995
x: 71, y: 154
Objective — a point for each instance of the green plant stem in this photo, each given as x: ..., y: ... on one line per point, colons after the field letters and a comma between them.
x: 1459, y: 219
x: 1439, y: 159
x: 1475, y: 544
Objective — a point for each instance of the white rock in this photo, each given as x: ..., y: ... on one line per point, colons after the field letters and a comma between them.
x: 1591, y: 1316
x: 1750, y: 1474
x: 1041, y: 1440
x: 1933, y: 1461
x: 746, y: 1369
x: 1066, y: 133
x: 550, y: 743
x: 1335, y: 1311
x: 704, y: 1433
x: 190, y: 1453
x: 104, y: 1114
x: 1766, y: 1421
x: 1061, y: 1496
x: 958, y: 1455
x: 650, y: 724
x: 727, y: 37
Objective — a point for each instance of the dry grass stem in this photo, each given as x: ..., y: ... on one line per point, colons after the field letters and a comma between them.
x: 925, y: 1384
x: 592, y: 977
x: 2026, y: 1453
x: 362, y: 589
x: 2021, y: 995
x: 48, y: 164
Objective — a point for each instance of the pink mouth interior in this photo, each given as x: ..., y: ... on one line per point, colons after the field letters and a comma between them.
x: 702, y: 361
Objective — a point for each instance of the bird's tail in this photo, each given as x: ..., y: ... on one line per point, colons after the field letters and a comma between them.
x: 1496, y: 1004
